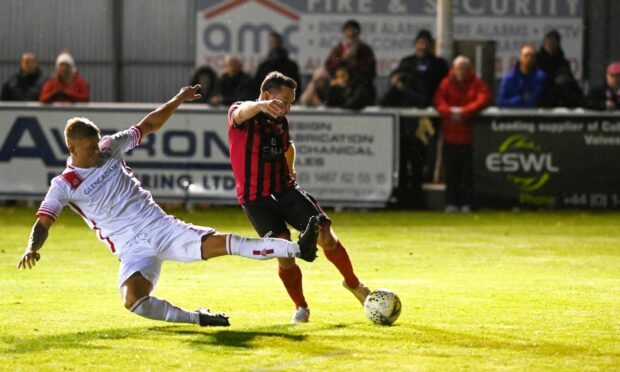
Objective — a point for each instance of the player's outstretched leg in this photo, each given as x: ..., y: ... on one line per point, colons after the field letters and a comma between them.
x: 263, y: 248
x: 137, y: 299
x: 337, y: 255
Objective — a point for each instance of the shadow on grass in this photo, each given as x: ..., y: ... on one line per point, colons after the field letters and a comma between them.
x: 244, y: 338
x: 197, y: 337
x: 436, y: 336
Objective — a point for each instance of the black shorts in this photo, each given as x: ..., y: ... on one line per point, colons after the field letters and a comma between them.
x: 294, y: 206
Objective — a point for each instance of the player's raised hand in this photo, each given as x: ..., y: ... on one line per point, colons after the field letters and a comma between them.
x: 29, y: 259
x: 190, y: 93
x: 273, y: 107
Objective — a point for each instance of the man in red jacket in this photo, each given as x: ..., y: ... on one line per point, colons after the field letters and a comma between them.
x: 66, y: 85
x: 460, y: 96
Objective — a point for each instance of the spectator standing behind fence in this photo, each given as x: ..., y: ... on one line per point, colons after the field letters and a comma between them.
x: 27, y: 83
x: 606, y: 97
x: 561, y: 88
x: 426, y: 69
x: 67, y: 85
x: 353, y: 54
x: 317, y: 89
x: 402, y: 92
x: 350, y: 92
x: 460, y: 97
x: 205, y: 77
x: 523, y: 86
x: 234, y: 84
x: 277, y: 60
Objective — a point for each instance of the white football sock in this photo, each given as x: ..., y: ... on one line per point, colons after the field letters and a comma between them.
x: 260, y: 249
x: 160, y: 309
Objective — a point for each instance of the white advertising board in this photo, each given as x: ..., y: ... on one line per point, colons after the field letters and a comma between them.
x: 343, y: 159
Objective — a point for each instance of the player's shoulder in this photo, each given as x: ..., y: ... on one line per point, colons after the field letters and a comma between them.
x: 69, y: 179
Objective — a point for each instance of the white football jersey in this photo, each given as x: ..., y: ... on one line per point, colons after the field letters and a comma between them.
x: 109, y: 197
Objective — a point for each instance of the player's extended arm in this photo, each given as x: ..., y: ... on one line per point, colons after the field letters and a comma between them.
x: 249, y: 109
x: 156, y: 119
x: 38, y: 235
x: 290, y: 160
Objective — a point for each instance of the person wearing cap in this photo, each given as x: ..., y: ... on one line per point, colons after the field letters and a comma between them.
x: 523, y: 86
x: 424, y: 69
x: 67, y: 85
x: 26, y: 84
x: 353, y: 54
x: 606, y: 97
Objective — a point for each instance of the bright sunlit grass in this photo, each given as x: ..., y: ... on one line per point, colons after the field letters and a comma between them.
x: 516, y: 291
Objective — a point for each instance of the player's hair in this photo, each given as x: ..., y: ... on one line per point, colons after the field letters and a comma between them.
x: 274, y: 80
x: 80, y: 128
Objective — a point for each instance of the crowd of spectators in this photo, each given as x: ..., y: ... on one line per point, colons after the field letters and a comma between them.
x: 29, y: 84
x: 539, y: 79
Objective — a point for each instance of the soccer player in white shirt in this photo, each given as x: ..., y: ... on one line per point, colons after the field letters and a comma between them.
x: 98, y: 185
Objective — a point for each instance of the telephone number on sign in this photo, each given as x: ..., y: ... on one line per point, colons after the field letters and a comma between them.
x: 593, y: 200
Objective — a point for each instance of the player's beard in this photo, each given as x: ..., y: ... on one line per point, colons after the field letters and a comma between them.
x: 103, y: 158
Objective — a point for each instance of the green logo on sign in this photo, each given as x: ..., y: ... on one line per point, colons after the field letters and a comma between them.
x: 523, y: 162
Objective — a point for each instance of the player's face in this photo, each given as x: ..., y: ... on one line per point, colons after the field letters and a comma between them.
x: 284, y: 94
x: 85, y: 152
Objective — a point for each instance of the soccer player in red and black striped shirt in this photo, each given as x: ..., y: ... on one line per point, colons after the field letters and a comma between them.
x: 262, y: 156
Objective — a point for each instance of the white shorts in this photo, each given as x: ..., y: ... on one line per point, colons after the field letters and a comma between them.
x: 169, y: 239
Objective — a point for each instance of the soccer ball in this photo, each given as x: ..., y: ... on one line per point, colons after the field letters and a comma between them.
x: 382, y: 306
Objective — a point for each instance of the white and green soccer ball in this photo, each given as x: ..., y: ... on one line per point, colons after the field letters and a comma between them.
x: 382, y: 306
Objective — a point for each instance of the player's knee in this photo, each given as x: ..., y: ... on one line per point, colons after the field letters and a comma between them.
x: 213, y: 245
x: 327, y: 239
x: 286, y: 235
x: 286, y: 263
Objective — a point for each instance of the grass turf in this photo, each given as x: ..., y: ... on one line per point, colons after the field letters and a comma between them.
x: 516, y: 291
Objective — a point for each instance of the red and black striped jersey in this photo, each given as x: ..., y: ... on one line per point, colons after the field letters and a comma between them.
x: 257, y: 148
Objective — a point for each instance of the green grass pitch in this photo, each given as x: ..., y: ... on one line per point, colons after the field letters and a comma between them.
x: 485, y: 291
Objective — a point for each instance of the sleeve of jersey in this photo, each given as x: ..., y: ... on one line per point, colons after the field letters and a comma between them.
x: 54, y: 202
x: 231, y: 121
x: 122, y: 141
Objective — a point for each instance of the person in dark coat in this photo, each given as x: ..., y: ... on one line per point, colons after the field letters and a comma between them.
x: 561, y: 88
x: 606, y: 97
x: 550, y: 57
x: 523, y: 86
x: 206, y: 77
x: 277, y: 60
x: 402, y: 92
x: 27, y: 83
x: 353, y: 54
x: 234, y: 84
x: 350, y: 92
x: 426, y: 69
x: 562, y: 91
